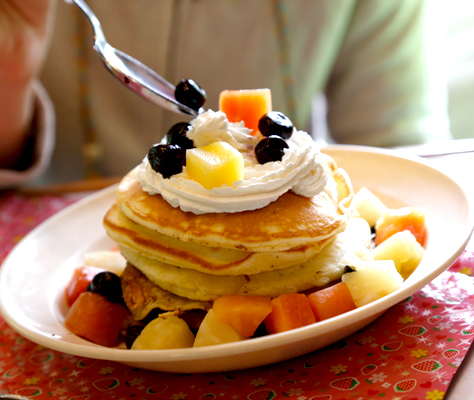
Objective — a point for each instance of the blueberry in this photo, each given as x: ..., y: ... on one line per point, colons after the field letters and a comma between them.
x: 133, y: 331
x: 260, y: 331
x: 177, y: 135
x: 373, y: 233
x: 275, y: 123
x: 167, y: 159
x: 271, y: 148
x: 194, y: 319
x: 348, y: 269
x: 190, y: 94
x: 153, y: 314
x: 108, y: 285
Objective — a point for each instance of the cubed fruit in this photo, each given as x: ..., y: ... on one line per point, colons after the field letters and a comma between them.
x: 246, y: 105
x: 403, y: 249
x: 243, y: 313
x: 164, y: 333
x: 406, y: 218
x: 331, y: 301
x: 372, y: 281
x: 213, y: 331
x: 343, y: 184
x: 368, y: 205
x: 215, y: 165
x: 110, y: 260
x: 96, y: 319
x: 78, y: 284
x: 289, y: 311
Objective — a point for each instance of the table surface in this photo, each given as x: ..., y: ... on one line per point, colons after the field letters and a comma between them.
x: 419, y: 349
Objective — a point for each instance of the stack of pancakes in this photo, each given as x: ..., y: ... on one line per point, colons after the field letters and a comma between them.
x: 179, y: 261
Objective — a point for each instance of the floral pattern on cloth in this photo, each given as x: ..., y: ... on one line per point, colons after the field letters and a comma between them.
x: 20, y: 214
x: 410, y: 352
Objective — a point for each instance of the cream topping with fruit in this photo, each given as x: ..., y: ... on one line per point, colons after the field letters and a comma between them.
x: 212, y: 126
x: 302, y: 170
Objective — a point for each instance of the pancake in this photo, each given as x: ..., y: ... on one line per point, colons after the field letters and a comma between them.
x: 290, y: 222
x: 179, y: 261
x: 142, y: 296
x: 346, y: 248
x: 211, y: 260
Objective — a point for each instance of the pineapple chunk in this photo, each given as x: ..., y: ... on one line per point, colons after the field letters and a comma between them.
x: 403, y: 249
x: 368, y: 205
x: 214, y: 331
x: 164, y: 333
x: 215, y: 165
x: 111, y: 261
x: 372, y: 281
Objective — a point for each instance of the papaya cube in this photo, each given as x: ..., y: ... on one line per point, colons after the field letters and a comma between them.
x: 243, y: 313
x: 331, y: 301
x: 79, y: 282
x: 96, y: 319
x: 289, y: 311
x: 247, y: 105
x: 214, y: 331
x: 401, y: 219
x: 215, y: 165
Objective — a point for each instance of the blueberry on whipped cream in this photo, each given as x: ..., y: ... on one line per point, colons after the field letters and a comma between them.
x: 302, y: 169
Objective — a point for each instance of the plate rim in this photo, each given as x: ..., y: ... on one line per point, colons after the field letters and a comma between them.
x: 265, y: 343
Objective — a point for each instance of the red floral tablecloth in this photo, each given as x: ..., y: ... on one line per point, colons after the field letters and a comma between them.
x: 411, y: 352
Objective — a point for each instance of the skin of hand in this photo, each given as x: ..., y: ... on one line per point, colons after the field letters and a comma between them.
x: 25, y: 31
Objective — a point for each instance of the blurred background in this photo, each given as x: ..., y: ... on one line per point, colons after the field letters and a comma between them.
x: 459, y: 47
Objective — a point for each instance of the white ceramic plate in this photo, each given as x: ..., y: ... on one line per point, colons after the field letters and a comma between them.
x: 33, y: 277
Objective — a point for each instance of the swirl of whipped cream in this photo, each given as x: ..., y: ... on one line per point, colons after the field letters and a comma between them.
x: 301, y: 170
x: 211, y: 126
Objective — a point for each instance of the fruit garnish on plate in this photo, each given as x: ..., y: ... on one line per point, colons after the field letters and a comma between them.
x: 275, y: 123
x: 215, y: 165
x: 177, y: 135
x: 189, y: 93
x: 406, y: 218
x: 271, y: 148
x: 237, y: 226
x: 246, y: 105
x: 167, y: 159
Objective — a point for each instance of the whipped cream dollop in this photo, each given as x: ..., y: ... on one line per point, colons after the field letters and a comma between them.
x: 301, y: 170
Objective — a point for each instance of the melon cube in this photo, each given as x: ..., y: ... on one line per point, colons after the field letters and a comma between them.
x: 214, y: 331
x: 247, y: 105
x: 372, y: 281
x: 164, y: 333
x: 368, y: 205
x: 403, y: 249
x: 215, y: 165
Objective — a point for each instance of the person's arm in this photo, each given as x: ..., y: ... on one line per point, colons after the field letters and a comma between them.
x: 25, y: 30
x: 387, y: 88
x: 38, y: 145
